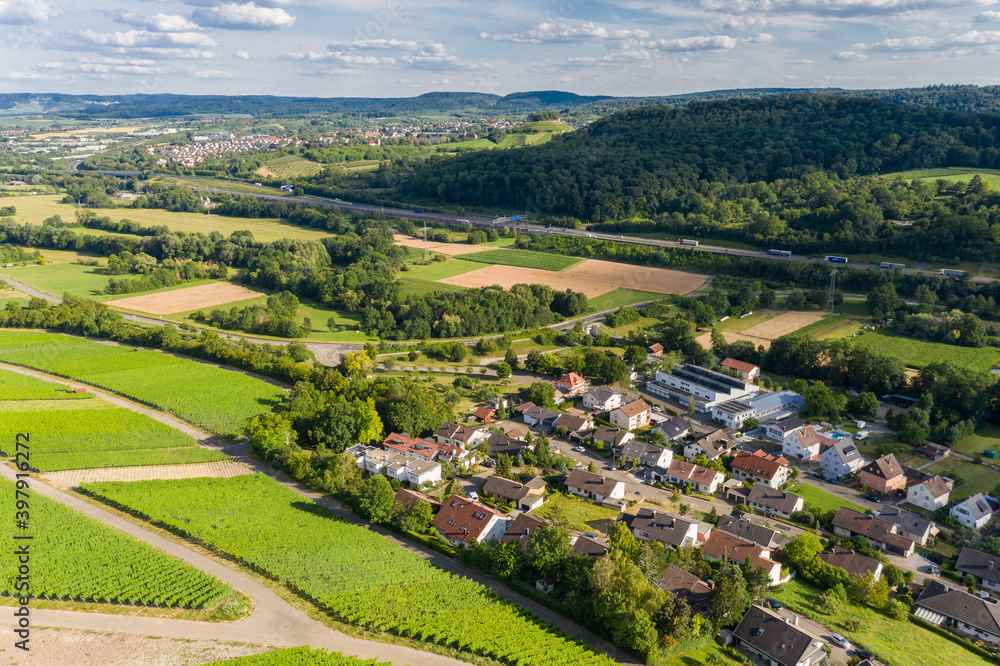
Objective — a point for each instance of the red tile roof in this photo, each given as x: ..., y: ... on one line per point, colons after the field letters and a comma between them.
x: 759, y: 463
x: 413, y: 446
x: 464, y: 519
x: 741, y: 366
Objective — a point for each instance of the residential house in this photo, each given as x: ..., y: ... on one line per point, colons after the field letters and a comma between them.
x: 841, y: 458
x: 689, y: 587
x: 702, y: 479
x: 673, y: 429
x: 972, y: 512
x: 415, y: 471
x: 732, y: 414
x: 802, y: 444
x: 594, y: 486
x: 985, y: 568
x: 483, y: 414
x: 741, y: 527
x: 645, y: 454
x: 579, y: 425
x: 521, y: 529
x: 880, y: 533
x: 884, y: 475
x: 778, y: 642
x: 768, y: 500
x: 522, y: 407
x: 687, y: 383
x: 909, y: 524
x: 720, y: 544
x: 571, y: 385
x: 414, y: 447
x: 524, y: 496
x: 463, y: 521
x: 612, y: 438
x: 778, y: 431
x: 655, y: 350
x: 934, y: 451
x: 761, y: 468
x: 855, y: 564
x: 603, y: 399
x: 503, y: 444
x: 512, y: 430
x: 407, y: 497
x: 775, y: 405
x: 631, y: 416
x: 747, y: 371
x: 930, y: 494
x: 589, y: 544
x: 669, y: 530
x: 960, y: 611
x: 713, y: 446
x: 359, y: 451
x: 460, y: 435
x: 541, y: 418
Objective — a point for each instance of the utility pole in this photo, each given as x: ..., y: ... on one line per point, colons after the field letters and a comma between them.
x: 425, y: 241
x: 833, y: 287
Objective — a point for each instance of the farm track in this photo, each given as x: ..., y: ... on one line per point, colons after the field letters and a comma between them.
x: 273, y: 621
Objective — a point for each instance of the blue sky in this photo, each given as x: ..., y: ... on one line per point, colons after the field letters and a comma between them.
x: 389, y: 48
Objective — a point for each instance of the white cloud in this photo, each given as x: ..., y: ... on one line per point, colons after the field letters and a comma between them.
x: 157, y: 22
x: 138, y: 38
x: 241, y: 55
x: 615, y: 58
x: 973, y: 41
x: 545, y: 33
x: 760, y: 38
x: 987, y: 17
x: 803, y: 61
x: 211, y: 74
x: 102, y: 65
x: 377, y: 45
x: 850, y: 55
x: 250, y: 16
x: 836, y: 8
x: 688, y: 44
x: 20, y: 12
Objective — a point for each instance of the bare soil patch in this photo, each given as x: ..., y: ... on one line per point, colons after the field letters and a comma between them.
x: 222, y: 469
x: 706, y: 339
x: 59, y: 647
x: 591, y: 277
x: 189, y: 298
x: 783, y: 324
x: 267, y: 173
x: 451, y: 249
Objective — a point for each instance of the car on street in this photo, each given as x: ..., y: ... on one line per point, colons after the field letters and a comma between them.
x: 773, y: 603
x: 840, y: 640
x: 875, y: 499
x: 934, y: 569
x: 579, y: 449
x: 657, y: 408
x: 638, y: 493
x: 612, y: 467
x: 864, y: 654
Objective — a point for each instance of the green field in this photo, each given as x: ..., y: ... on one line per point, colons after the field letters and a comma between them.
x: 35, y: 209
x: 300, y: 656
x: 987, y: 437
x: 894, y: 643
x: 74, y: 557
x: 357, y: 576
x: 621, y: 297
x: 15, y: 386
x: 577, y: 514
x: 917, y: 353
x: 439, y: 270
x: 821, y: 499
x: 293, y: 166
x: 220, y: 400
x: 952, y: 175
x: 524, y: 259
x: 835, y: 326
x: 94, y: 433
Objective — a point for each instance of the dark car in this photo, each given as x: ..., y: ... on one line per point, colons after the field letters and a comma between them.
x: 864, y: 654
x: 875, y: 499
x: 773, y: 603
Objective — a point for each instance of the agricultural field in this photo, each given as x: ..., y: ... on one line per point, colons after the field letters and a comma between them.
x: 35, y: 209
x: 345, y: 568
x: 200, y: 297
x: 94, y: 433
x: 75, y: 557
x: 830, y: 327
x: 821, y: 499
x: 300, y: 656
x: 15, y: 386
x: 621, y: 297
x: 220, y: 400
x: 57, y: 279
x: 952, y: 175
x: 524, y: 259
x: 917, y: 353
x: 289, y: 166
x: 455, y: 248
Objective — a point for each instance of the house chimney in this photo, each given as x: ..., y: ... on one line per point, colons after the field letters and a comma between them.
x: 710, y: 583
x: 795, y: 620
x: 602, y: 479
x: 785, y: 618
x: 990, y: 565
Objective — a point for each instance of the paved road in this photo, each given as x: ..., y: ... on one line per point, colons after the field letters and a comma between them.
x: 272, y: 618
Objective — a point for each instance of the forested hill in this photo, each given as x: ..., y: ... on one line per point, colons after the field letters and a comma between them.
x: 645, y: 160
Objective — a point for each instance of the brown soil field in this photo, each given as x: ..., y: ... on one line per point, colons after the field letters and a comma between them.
x: 189, y: 298
x: 591, y: 277
x: 267, y: 173
x: 223, y: 469
x: 451, y: 249
x: 706, y: 339
x: 783, y: 324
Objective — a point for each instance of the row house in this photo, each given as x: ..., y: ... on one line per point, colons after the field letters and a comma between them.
x: 414, y: 471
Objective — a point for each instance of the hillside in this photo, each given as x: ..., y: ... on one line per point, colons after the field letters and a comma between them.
x: 642, y: 160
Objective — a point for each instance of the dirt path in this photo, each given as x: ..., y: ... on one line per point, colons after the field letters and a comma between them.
x: 222, y: 469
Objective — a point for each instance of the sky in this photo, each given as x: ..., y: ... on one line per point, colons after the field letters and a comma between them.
x: 402, y: 48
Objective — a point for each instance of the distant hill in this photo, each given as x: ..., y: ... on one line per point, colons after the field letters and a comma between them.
x: 956, y: 98
x: 644, y: 160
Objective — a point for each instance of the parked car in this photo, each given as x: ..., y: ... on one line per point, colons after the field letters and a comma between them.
x: 612, y: 467
x: 875, y: 498
x: 841, y: 641
x: 579, y: 449
x: 773, y: 603
x: 864, y: 654
x: 474, y: 496
x: 657, y: 408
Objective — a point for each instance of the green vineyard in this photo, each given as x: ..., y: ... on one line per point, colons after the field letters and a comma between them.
x: 76, y: 558
x: 220, y: 400
x: 15, y: 386
x: 74, y: 435
x: 358, y: 576
x: 300, y: 656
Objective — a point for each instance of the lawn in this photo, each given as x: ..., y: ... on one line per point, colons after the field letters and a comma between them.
x: 36, y: 209
x: 524, y: 259
x: 438, y: 270
x: 577, y: 514
x: 894, y: 643
x: 821, y: 499
x: 734, y: 324
x: 621, y: 297
x: 987, y: 437
x: 917, y: 353
x: 84, y: 281
x: 985, y: 484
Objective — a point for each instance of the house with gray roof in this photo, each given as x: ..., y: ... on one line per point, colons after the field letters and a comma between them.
x: 880, y: 533
x: 909, y: 524
x: 739, y: 526
x: 985, y: 568
x: 525, y: 496
x: 841, y: 458
x: 544, y: 419
x: 603, y: 399
x: 673, y: 429
x: 778, y: 642
x: 713, y: 446
x: 853, y: 563
x: 960, y: 611
x: 972, y: 512
x: 931, y: 493
x: 669, y: 530
x: 644, y: 454
x: 778, y: 431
